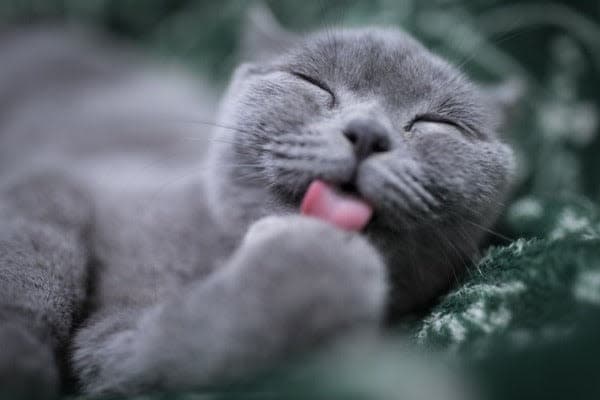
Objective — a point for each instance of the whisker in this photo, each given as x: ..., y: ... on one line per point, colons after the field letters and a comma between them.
x: 195, y: 121
x: 488, y: 230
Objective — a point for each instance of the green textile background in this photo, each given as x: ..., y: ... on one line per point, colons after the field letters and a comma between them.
x: 525, y: 323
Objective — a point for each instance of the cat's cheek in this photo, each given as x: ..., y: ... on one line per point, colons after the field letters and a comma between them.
x: 309, y: 102
x: 449, y: 168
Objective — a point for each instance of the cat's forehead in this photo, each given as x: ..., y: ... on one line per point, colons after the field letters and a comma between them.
x: 389, y: 64
x: 369, y: 57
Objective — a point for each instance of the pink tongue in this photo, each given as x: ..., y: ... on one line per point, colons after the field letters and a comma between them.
x: 342, y: 210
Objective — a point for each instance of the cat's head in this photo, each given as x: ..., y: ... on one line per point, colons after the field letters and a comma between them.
x: 371, y: 111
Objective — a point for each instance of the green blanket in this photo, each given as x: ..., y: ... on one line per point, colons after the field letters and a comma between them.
x: 525, y: 322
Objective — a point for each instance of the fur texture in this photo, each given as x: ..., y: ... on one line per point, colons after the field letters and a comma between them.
x: 153, y: 266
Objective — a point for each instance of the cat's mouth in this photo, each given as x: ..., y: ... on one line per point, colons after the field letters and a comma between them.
x: 340, y: 206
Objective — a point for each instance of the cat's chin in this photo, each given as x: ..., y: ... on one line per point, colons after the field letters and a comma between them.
x: 379, y: 222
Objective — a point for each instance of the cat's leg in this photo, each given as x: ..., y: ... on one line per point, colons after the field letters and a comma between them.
x: 43, y: 261
x: 294, y: 283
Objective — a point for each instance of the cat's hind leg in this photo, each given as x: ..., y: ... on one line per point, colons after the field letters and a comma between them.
x: 293, y: 284
x: 43, y: 262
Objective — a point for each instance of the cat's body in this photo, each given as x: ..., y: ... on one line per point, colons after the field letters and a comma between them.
x: 124, y: 247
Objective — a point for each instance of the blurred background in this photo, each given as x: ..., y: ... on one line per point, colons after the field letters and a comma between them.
x: 527, y: 322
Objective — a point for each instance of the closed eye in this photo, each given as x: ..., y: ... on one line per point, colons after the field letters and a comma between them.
x: 440, y: 120
x: 431, y: 118
x: 318, y: 83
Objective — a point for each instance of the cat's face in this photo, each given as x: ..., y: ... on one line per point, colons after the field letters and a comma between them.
x: 370, y: 111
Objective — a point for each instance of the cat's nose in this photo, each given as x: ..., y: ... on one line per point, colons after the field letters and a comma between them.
x: 367, y: 137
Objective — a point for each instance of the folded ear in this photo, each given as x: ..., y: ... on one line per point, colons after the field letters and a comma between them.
x: 262, y: 35
x: 505, y: 97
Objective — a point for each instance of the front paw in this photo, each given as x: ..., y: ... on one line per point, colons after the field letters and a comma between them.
x: 294, y: 283
x: 317, y: 278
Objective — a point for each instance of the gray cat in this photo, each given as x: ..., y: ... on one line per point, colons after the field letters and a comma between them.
x: 351, y: 175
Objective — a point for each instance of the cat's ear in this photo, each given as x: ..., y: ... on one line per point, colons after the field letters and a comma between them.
x: 262, y: 36
x: 505, y: 97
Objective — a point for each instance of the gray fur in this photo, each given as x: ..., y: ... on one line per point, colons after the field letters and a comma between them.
x: 188, y: 270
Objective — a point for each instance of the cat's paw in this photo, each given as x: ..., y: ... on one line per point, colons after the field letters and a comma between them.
x: 295, y: 283
x: 27, y: 367
x: 267, y: 227
x: 318, y: 279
